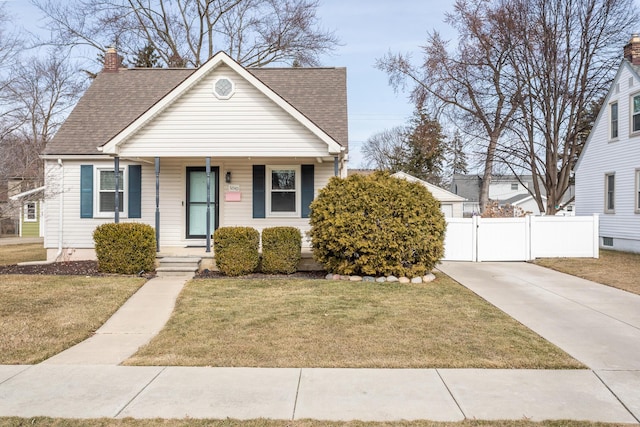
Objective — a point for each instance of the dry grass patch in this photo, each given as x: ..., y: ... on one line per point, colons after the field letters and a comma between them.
x: 130, y: 422
x: 42, y: 315
x: 321, y: 323
x: 618, y: 269
x: 13, y: 254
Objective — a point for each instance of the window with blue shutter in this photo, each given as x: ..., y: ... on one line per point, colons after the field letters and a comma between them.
x: 86, y: 191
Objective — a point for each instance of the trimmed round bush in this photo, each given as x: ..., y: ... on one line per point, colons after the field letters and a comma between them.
x: 281, y: 248
x: 125, y: 248
x: 376, y: 225
x: 236, y: 250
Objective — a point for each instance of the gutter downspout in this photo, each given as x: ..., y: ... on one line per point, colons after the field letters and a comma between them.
x: 60, y: 211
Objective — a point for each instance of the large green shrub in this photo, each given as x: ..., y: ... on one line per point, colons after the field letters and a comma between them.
x: 236, y: 250
x: 281, y: 248
x: 377, y: 225
x: 125, y: 248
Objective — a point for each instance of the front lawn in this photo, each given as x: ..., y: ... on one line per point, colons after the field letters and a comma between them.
x: 618, y: 269
x: 13, y: 254
x: 321, y: 323
x: 42, y: 315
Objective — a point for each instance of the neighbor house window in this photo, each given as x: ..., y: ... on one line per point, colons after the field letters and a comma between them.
x: 610, y: 193
x: 106, y: 193
x: 514, y: 187
x: 614, y: 120
x: 284, y: 185
x: 30, y: 212
x: 635, y: 118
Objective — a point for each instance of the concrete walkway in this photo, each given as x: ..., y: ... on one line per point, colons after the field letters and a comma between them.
x: 84, y: 383
x: 131, y: 327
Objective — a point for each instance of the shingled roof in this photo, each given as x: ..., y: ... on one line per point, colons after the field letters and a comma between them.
x: 115, y: 99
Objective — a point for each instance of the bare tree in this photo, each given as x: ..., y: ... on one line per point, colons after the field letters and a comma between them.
x: 417, y: 148
x: 10, y: 46
x: 188, y: 32
x: 564, y: 56
x: 525, y: 73
x: 473, y: 81
x: 42, y: 91
x: 385, y: 150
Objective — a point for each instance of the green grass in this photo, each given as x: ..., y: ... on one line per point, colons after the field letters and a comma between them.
x: 13, y: 254
x: 41, y: 316
x: 321, y: 323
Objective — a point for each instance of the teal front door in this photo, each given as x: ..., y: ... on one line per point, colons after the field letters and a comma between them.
x: 197, y: 202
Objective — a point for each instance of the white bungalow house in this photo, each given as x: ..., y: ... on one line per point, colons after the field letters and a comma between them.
x: 608, y: 171
x: 251, y: 147
x: 451, y: 205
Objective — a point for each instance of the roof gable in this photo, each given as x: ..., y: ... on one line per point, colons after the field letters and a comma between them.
x: 624, y: 65
x: 116, y: 101
x: 221, y: 58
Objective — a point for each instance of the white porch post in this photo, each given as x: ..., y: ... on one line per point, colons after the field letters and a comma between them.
x: 157, y: 161
x: 116, y: 202
x: 208, y: 171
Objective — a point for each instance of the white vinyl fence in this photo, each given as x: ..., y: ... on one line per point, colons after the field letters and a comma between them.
x: 521, y: 239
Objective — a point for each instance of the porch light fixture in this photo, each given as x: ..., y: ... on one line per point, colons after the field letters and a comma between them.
x: 227, y: 177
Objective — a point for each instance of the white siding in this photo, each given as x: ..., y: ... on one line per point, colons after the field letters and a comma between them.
x: 77, y: 232
x: 620, y: 156
x: 199, y: 124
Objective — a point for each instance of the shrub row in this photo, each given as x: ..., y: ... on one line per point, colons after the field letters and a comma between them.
x: 236, y: 250
x: 129, y: 248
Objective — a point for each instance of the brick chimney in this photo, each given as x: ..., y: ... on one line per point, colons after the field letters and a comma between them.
x: 112, y: 62
x: 632, y: 50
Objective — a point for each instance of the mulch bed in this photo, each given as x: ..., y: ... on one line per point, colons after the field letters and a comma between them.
x: 90, y: 268
x: 71, y: 268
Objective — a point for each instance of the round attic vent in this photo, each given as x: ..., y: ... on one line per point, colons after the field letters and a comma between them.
x: 223, y: 88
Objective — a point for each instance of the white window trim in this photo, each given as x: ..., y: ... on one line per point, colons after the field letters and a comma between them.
x: 631, y: 131
x: 637, y: 193
x: 220, y: 96
x: 96, y: 193
x: 26, y: 212
x: 611, y: 137
x: 296, y: 213
x: 607, y: 210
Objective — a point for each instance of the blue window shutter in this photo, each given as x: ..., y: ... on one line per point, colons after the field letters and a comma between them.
x: 259, y: 193
x: 86, y: 191
x: 307, y: 189
x: 135, y: 191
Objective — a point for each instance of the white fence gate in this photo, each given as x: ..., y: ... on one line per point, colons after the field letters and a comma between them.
x: 521, y: 239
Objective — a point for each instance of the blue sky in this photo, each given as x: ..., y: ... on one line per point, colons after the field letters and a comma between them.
x: 367, y: 30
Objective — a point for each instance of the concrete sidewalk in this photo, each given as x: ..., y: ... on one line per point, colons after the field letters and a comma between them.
x: 596, y: 324
x: 86, y: 391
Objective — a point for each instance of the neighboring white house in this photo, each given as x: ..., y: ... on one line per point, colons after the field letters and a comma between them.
x: 452, y: 205
x: 505, y: 189
x: 608, y: 171
x: 250, y: 146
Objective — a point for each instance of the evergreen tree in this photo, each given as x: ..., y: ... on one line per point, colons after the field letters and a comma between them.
x: 147, y: 57
x: 457, y: 155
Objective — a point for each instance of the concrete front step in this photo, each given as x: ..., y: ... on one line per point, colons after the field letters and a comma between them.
x: 173, y: 266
